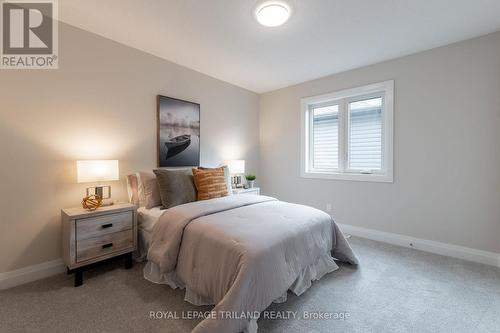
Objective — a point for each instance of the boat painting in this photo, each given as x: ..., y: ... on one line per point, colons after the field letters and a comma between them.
x: 178, y: 133
x: 177, y: 145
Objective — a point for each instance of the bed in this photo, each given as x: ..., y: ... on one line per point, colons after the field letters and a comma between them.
x: 239, y: 253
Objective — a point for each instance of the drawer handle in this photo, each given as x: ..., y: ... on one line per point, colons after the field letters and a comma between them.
x: 107, y: 245
x: 109, y: 225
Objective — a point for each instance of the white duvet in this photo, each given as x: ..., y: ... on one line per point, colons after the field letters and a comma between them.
x: 243, y: 252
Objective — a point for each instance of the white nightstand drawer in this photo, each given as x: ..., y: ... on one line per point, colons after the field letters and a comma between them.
x: 252, y: 190
x: 102, y: 225
x: 92, y: 248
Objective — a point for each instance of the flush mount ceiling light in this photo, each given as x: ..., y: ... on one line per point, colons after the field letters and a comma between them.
x: 273, y: 13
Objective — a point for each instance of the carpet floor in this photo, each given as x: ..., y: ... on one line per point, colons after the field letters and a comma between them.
x: 393, y: 290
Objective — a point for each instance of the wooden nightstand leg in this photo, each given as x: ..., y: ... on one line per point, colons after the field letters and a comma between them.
x: 128, y: 261
x: 78, y: 277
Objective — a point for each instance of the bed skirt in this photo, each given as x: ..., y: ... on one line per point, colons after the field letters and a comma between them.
x: 324, y: 264
x: 143, y: 241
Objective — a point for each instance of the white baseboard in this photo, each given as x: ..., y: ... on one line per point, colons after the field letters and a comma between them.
x: 449, y: 250
x: 31, y: 273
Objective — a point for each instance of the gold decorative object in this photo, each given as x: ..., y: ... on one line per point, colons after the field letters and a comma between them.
x: 91, y: 202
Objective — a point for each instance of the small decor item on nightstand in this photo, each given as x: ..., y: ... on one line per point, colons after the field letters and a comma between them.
x: 250, y: 180
x: 91, y: 202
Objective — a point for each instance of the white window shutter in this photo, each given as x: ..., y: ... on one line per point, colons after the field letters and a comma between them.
x: 365, y: 135
x: 326, y: 138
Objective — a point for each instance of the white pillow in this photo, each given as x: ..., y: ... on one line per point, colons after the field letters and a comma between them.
x: 133, y: 188
x: 227, y: 175
x: 148, y: 190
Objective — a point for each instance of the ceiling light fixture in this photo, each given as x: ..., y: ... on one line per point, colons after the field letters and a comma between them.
x: 273, y: 13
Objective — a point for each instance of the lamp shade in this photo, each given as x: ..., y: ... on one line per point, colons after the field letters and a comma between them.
x: 90, y: 171
x: 236, y: 166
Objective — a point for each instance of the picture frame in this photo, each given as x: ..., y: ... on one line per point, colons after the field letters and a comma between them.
x: 178, y: 132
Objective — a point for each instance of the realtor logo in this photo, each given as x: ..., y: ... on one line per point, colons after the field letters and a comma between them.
x: 29, y: 34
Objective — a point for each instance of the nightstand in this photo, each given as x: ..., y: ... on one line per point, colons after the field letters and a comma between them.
x: 91, y: 237
x: 253, y: 190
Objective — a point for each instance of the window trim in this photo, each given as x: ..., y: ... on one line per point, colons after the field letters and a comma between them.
x: 383, y: 89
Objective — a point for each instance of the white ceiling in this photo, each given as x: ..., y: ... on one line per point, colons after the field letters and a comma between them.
x: 222, y: 39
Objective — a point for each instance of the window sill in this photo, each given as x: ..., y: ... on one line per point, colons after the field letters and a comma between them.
x: 349, y: 176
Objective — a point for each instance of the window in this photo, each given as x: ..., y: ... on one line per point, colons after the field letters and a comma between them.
x: 365, y: 135
x: 348, y: 134
x: 326, y: 137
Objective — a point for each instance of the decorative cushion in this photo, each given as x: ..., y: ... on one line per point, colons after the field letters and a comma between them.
x: 149, y: 192
x: 176, y: 187
x: 210, y: 183
x: 227, y: 177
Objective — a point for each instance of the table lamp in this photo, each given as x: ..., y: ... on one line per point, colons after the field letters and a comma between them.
x: 97, y: 171
x: 236, y: 169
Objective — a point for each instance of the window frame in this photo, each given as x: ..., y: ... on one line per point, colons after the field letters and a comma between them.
x: 385, y: 90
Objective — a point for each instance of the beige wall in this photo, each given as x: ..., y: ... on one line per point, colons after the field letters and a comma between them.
x: 100, y: 103
x: 447, y: 148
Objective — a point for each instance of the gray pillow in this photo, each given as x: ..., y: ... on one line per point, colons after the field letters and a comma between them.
x: 176, y: 187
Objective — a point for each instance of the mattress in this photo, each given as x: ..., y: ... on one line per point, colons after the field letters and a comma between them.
x: 146, y: 220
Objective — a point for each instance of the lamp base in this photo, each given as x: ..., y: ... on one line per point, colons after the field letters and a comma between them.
x: 236, y: 182
x: 102, y: 191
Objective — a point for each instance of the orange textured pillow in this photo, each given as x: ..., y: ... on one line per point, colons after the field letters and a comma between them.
x: 210, y: 183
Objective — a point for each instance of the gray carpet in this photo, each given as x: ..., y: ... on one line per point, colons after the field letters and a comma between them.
x: 394, y: 290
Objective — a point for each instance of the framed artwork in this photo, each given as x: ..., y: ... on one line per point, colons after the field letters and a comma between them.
x: 178, y: 132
